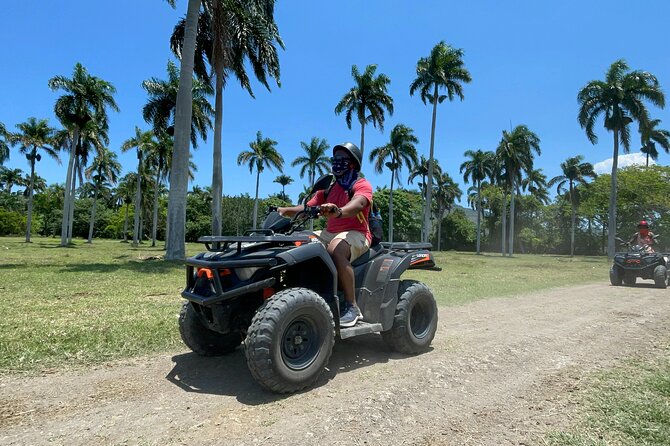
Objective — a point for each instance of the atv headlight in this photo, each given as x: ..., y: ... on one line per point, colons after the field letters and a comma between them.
x: 246, y: 273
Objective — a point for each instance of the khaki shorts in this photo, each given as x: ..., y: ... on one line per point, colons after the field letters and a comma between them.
x: 357, y: 241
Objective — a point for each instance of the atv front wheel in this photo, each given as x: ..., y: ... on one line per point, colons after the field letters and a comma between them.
x: 290, y: 340
x: 615, y: 276
x: 415, y: 320
x: 201, y: 339
x: 661, y: 276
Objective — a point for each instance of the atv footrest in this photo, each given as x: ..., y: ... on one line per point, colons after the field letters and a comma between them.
x: 360, y: 328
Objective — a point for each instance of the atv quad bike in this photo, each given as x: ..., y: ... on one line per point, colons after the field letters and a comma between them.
x: 275, y: 289
x: 639, y: 261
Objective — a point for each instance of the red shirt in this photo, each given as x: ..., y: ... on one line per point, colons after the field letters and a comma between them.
x: 339, y: 197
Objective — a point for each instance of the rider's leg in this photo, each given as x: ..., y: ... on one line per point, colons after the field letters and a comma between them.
x: 340, y: 252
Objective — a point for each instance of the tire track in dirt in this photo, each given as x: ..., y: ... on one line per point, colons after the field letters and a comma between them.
x: 500, y: 371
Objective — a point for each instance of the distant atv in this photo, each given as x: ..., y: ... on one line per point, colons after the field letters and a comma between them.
x: 639, y: 261
x: 275, y: 289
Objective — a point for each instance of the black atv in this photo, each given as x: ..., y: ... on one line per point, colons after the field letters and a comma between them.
x: 639, y: 261
x: 275, y: 289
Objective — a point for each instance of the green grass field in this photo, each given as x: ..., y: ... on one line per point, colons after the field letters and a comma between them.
x: 627, y: 405
x: 90, y: 303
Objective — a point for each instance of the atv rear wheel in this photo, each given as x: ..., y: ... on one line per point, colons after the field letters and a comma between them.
x: 201, y: 339
x: 661, y: 276
x: 415, y: 320
x: 615, y: 276
x: 290, y: 340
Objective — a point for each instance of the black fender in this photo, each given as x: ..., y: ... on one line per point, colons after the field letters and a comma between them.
x: 378, y: 281
x: 311, y: 263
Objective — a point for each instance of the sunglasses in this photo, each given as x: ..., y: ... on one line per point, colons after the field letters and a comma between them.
x: 339, y: 159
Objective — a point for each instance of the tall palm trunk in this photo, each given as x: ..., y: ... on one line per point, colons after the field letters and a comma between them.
x: 73, y: 197
x: 362, y: 141
x: 611, y: 222
x: 68, y: 185
x: 504, y: 224
x: 258, y: 177
x: 125, y: 225
x: 439, y: 228
x: 29, y: 222
x: 155, y: 216
x: 511, y: 216
x: 92, y: 222
x: 479, y: 215
x: 138, y: 201
x: 574, y: 215
x: 217, y: 169
x: 429, y: 181
x: 175, y: 246
x: 647, y: 165
x: 391, y: 208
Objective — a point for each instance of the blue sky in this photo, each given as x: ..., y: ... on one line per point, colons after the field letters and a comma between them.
x: 528, y: 59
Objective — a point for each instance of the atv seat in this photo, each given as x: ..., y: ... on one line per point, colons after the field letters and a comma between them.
x: 371, y: 253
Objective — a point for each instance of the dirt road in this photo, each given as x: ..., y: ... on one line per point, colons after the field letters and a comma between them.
x: 500, y: 371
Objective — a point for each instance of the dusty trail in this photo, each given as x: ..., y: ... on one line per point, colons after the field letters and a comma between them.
x: 501, y: 371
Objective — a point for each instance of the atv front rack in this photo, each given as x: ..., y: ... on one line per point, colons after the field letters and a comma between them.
x: 221, y: 243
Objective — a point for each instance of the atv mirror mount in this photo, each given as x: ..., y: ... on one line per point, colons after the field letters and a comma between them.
x: 322, y: 183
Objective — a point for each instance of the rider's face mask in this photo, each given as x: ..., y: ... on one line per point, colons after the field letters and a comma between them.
x: 644, y: 231
x: 340, y: 164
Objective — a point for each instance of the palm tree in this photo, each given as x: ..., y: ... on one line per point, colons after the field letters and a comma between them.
x: 284, y: 180
x: 125, y: 192
x: 477, y: 168
x: 263, y: 154
x: 104, y: 169
x: 9, y: 178
x: 368, y: 95
x: 82, y: 108
x: 399, y: 152
x: 446, y: 193
x: 515, y: 153
x: 620, y: 97
x: 574, y: 172
x: 160, y: 109
x: 231, y: 44
x: 175, y: 244
x: 650, y: 135
x: 143, y: 141
x: 420, y: 170
x: 315, y: 159
x: 443, y: 68
x: 535, y: 182
x: 500, y: 179
x: 4, y: 147
x: 230, y: 33
x: 158, y: 158
x: 33, y: 135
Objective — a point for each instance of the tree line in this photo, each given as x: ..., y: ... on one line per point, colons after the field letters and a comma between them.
x: 215, y: 42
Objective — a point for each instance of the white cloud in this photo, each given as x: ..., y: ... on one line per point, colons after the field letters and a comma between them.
x: 631, y: 159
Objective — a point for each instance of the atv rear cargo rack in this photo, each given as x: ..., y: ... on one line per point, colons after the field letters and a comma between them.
x: 407, y: 246
x: 221, y: 243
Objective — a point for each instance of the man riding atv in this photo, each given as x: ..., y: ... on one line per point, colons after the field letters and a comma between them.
x: 346, y: 205
x: 643, y: 237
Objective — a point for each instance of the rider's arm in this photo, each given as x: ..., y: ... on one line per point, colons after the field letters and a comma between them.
x: 356, y: 205
x: 289, y: 211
